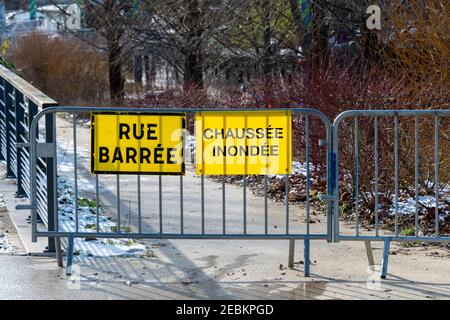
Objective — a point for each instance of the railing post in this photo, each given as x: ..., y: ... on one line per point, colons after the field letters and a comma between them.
x: 9, y: 121
x: 2, y: 119
x: 20, y: 132
x: 50, y: 137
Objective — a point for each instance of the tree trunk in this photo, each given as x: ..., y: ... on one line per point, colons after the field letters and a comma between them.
x: 319, y: 50
x: 193, y: 60
x: 296, y: 15
x: 267, y: 45
x: 193, y: 70
x: 137, y: 69
x: 371, y: 47
x: 116, y: 80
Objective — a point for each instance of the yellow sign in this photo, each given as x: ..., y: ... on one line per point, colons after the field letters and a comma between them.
x: 5, y: 47
x: 252, y: 142
x: 141, y: 143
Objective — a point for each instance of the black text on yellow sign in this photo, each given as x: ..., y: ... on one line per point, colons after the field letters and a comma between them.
x: 238, y: 143
x: 143, y: 143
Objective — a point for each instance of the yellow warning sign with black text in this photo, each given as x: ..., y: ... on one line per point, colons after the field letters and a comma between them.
x: 238, y: 142
x: 137, y: 143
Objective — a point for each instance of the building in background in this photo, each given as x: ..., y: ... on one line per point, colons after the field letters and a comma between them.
x: 2, y: 18
x: 48, y: 19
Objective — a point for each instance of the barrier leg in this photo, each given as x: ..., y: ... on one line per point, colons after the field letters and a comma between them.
x: 369, y: 252
x: 306, y: 257
x: 291, y: 253
x: 58, y: 252
x: 69, y: 257
x: 384, y: 262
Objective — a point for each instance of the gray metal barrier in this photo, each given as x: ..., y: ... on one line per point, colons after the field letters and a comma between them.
x: 48, y: 149
x: 19, y: 104
x: 363, y: 142
x: 356, y: 147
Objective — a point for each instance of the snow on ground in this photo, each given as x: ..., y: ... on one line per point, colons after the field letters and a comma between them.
x: 87, y: 217
x: 408, y: 206
x: 5, y: 248
x: 298, y: 168
x: 87, y: 222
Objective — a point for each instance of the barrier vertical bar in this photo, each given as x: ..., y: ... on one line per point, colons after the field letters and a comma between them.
x: 75, y: 169
x: 183, y: 138
x: 416, y: 175
x: 291, y: 253
x: 244, y: 185
x: 97, y: 204
x: 181, y: 206
x: 223, y: 181
x: 385, y: 261
x: 119, y: 222
x: 335, y: 183
x: 356, y: 174
x: 308, y: 176
x: 160, y: 204
x: 286, y: 201
x: 331, y: 183
x: 244, y: 200
x: 376, y: 206
x: 266, y: 215
x: 69, y: 256
x: 202, y: 191
x: 436, y: 173
x: 52, y: 211
x: 396, y: 172
x: 202, y: 177
x: 307, y: 256
x: 224, y: 221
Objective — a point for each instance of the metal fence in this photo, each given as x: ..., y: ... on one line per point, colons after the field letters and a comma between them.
x: 20, y: 102
x: 354, y: 151
x: 223, y: 226
x: 364, y: 158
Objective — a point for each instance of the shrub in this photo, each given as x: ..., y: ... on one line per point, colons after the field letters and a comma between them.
x: 67, y: 69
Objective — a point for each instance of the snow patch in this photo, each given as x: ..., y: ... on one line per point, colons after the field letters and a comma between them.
x: 87, y: 223
x: 408, y: 206
x: 5, y: 248
x: 298, y: 168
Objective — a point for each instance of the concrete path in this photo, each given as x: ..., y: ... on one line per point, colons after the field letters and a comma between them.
x: 217, y: 269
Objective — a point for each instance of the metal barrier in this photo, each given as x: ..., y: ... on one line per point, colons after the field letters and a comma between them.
x: 19, y: 104
x: 228, y: 230
x: 371, y: 133
x: 29, y: 145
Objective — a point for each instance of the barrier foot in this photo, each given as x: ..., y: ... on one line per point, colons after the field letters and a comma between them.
x: 384, y: 262
x: 69, y: 257
x: 369, y: 252
x: 291, y: 253
x: 58, y: 252
x: 306, y: 257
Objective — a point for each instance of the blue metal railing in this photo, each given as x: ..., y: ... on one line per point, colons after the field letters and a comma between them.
x: 19, y: 104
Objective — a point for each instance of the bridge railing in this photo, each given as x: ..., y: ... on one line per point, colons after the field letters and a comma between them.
x: 19, y: 104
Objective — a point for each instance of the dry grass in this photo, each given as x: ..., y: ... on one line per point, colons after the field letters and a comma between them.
x: 66, y: 69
